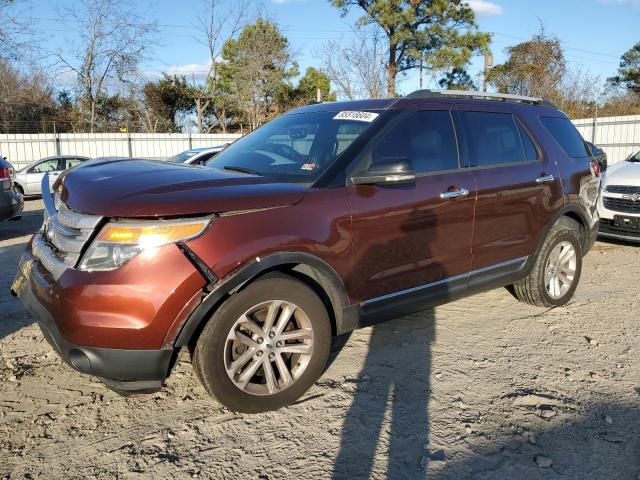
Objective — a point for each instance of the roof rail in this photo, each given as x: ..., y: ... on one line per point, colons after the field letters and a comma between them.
x: 500, y: 97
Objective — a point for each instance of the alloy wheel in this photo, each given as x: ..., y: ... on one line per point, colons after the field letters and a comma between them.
x: 560, y: 270
x: 269, y: 347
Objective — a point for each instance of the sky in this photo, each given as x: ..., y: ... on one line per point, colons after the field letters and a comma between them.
x: 594, y: 33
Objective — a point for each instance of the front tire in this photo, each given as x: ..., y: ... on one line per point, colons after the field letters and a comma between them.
x: 265, y: 346
x: 556, y: 272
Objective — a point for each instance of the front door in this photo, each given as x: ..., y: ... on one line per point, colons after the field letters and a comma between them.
x: 35, y: 174
x: 409, y: 236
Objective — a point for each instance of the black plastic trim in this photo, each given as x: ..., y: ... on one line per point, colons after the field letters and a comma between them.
x: 442, y: 291
x: 199, y: 265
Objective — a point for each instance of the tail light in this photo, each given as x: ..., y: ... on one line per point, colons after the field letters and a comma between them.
x: 595, y: 168
x: 6, y: 174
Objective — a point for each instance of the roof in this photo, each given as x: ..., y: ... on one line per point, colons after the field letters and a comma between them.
x: 425, y: 96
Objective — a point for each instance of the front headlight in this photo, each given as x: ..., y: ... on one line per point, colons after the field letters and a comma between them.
x: 120, y: 241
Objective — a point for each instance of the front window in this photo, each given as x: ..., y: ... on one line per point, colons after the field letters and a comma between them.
x: 295, y: 147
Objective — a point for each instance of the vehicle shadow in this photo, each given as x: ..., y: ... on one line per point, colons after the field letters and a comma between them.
x: 389, y: 414
x: 26, y: 224
x: 13, y: 239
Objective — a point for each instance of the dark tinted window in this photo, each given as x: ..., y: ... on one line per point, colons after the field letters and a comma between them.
x: 530, y: 152
x: 567, y: 136
x: 425, y: 139
x: 493, y: 138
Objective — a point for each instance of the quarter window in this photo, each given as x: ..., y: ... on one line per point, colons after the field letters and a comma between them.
x: 424, y: 139
x: 493, y: 138
x: 566, y: 135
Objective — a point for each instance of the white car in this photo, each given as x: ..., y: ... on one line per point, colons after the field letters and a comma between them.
x: 619, y: 204
x: 196, y: 156
x: 29, y: 179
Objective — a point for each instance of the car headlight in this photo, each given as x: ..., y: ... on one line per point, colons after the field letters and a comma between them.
x: 120, y: 241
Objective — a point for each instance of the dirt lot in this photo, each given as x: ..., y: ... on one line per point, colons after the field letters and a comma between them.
x: 481, y: 388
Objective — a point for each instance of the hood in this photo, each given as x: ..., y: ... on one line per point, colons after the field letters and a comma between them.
x: 147, y: 188
x: 623, y: 173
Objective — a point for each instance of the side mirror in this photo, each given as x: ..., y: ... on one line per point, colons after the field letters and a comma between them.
x: 389, y: 172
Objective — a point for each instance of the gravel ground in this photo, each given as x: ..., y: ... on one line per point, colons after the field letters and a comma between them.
x: 482, y: 388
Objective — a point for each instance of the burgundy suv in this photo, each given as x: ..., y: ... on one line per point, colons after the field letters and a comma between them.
x: 331, y: 217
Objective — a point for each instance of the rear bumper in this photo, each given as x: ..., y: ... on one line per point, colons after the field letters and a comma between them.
x: 129, y: 370
x: 11, y: 204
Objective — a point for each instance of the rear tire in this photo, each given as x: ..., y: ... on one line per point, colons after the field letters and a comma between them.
x: 265, y: 346
x: 555, y: 274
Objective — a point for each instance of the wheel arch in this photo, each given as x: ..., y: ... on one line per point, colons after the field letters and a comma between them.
x: 309, y: 269
x: 567, y: 215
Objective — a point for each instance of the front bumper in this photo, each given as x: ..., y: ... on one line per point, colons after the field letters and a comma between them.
x: 619, y: 230
x: 122, y: 369
x: 10, y: 205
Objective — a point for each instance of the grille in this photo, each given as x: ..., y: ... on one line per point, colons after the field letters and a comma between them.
x: 628, y: 189
x: 59, y: 243
x: 621, y: 205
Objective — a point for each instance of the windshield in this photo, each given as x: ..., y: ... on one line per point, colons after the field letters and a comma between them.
x: 182, y: 157
x: 296, y: 147
x: 634, y: 158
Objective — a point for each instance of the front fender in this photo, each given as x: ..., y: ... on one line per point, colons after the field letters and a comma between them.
x: 345, y: 315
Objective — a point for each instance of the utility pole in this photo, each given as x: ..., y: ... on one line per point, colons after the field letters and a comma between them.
x: 488, y: 62
x: 421, y: 72
x: 318, y: 95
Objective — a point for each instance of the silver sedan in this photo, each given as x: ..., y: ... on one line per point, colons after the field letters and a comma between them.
x: 29, y: 179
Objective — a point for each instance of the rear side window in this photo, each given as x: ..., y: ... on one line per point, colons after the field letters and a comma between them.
x: 493, y: 138
x: 566, y: 135
x: 425, y: 139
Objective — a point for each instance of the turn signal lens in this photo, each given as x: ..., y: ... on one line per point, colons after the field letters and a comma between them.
x: 153, y: 235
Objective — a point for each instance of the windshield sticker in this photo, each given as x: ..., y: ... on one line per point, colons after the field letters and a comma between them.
x: 358, y: 116
x: 308, y: 166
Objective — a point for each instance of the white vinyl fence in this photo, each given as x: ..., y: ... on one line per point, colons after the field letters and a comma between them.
x: 23, y: 149
x: 619, y: 137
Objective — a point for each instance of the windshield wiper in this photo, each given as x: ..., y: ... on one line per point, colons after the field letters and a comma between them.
x: 248, y: 171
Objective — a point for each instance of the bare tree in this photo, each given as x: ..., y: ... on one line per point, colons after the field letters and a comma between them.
x: 110, y: 40
x: 16, y: 38
x: 219, y: 21
x: 358, y: 69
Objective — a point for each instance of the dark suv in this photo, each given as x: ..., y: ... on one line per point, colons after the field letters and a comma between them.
x: 329, y: 218
x: 11, y: 201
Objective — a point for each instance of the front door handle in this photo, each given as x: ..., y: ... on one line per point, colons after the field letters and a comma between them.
x: 545, y: 179
x: 463, y: 192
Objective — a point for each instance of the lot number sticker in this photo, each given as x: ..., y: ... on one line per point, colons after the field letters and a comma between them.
x: 358, y: 116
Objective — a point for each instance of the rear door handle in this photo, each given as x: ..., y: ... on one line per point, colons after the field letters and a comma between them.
x: 463, y: 192
x: 545, y: 179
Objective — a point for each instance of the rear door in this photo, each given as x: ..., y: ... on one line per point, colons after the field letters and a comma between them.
x: 413, y: 235
x: 518, y: 189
